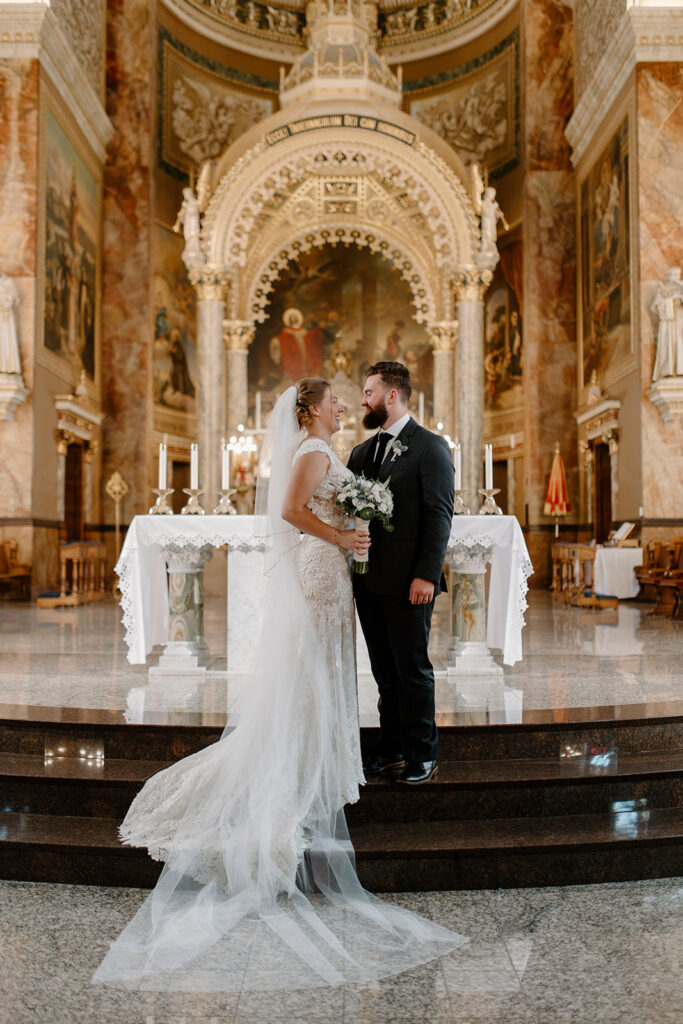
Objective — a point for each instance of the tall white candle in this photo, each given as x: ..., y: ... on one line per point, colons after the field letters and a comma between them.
x: 488, y: 465
x: 257, y: 412
x: 225, y: 467
x: 194, y: 467
x: 162, y: 466
x: 421, y: 408
x: 457, y: 460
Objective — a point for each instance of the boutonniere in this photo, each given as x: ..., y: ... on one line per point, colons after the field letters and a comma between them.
x: 397, y: 449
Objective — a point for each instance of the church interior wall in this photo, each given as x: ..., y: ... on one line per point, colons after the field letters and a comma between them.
x: 659, y: 98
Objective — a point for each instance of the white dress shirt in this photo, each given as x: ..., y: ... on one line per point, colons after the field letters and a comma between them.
x: 394, y: 430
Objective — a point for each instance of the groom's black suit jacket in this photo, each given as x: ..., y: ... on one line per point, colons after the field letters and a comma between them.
x: 421, y: 480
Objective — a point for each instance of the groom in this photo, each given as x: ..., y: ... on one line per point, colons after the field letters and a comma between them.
x: 395, y: 599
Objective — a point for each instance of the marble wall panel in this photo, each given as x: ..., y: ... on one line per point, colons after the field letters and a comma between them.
x: 659, y: 99
x: 549, y: 259
x: 127, y: 279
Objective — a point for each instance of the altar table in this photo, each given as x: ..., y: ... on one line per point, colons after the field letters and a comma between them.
x: 152, y: 541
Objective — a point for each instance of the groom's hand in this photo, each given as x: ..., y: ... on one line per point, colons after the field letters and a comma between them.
x: 421, y: 591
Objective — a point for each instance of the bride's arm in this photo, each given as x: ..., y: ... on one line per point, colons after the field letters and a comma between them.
x: 307, y: 474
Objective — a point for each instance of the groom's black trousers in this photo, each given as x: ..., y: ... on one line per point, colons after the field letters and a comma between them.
x: 397, y: 635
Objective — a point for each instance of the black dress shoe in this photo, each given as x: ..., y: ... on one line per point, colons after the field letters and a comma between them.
x: 384, y: 765
x: 418, y: 771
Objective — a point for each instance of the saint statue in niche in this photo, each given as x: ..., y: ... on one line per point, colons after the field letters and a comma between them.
x: 668, y: 305
x: 10, y: 361
x: 297, y: 351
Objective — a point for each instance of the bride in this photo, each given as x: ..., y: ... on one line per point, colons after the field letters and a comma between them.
x: 259, y: 887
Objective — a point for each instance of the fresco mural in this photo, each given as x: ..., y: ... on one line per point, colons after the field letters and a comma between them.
x: 174, y: 329
x: 71, y: 252
x: 333, y: 312
x: 605, y: 278
x: 503, y: 347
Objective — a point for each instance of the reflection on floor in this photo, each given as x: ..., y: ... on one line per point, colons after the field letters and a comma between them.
x: 572, y: 658
x: 607, y: 953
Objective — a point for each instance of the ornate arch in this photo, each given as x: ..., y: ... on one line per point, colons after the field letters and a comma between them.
x: 424, y: 298
x: 253, y: 222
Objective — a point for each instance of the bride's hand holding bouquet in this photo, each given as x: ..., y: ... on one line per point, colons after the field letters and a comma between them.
x: 363, y: 500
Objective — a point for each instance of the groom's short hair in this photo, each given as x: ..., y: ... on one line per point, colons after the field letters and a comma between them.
x: 393, y: 375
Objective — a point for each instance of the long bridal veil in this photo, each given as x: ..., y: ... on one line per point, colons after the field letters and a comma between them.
x: 259, y: 888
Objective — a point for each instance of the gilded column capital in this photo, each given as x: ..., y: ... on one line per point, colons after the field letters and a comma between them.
x: 238, y: 335
x: 470, y: 283
x: 444, y: 335
x: 211, y: 283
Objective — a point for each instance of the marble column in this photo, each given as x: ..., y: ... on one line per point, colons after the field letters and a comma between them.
x: 238, y: 336
x: 613, y: 446
x: 211, y: 288
x: 128, y: 250
x: 443, y: 337
x: 549, y: 264
x: 470, y: 286
x: 186, y: 651
x: 472, y: 656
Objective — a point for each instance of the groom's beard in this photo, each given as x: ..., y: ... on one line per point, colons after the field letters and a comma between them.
x: 376, y: 417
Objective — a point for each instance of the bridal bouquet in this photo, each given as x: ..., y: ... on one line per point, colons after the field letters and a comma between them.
x: 363, y: 500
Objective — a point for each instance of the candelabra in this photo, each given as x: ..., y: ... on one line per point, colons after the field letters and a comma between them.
x: 459, y: 506
x: 225, y: 507
x: 161, y: 506
x: 193, y: 508
x: 489, y: 508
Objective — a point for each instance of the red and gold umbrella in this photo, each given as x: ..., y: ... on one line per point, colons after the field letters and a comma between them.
x: 556, y: 499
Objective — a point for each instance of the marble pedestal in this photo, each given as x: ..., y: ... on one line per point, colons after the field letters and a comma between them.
x: 186, y: 652
x: 471, y: 655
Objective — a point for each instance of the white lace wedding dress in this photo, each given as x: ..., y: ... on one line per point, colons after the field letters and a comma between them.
x: 259, y: 888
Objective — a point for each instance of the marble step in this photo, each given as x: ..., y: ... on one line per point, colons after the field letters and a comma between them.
x: 168, y: 736
x: 29, y: 783
x: 513, y: 852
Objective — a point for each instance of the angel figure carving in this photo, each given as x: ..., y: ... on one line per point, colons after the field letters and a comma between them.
x: 188, y: 219
x: 491, y: 213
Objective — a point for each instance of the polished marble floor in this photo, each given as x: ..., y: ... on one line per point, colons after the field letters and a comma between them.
x: 572, y: 658
x: 576, y: 955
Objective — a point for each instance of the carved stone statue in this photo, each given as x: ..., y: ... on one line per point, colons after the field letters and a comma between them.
x: 668, y: 305
x: 491, y: 213
x: 188, y: 218
x: 10, y: 361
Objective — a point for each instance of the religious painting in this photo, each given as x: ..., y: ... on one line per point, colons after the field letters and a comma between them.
x: 71, y: 252
x: 333, y: 312
x: 605, y: 319
x: 503, y: 347
x: 476, y: 110
x: 204, y: 106
x: 175, y: 370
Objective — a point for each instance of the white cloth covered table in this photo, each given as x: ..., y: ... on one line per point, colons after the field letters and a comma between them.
x: 510, y: 570
x: 143, y: 579
x: 142, y: 570
x: 613, y: 574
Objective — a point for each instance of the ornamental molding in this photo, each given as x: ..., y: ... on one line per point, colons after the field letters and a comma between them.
x: 267, y: 176
x: 443, y: 335
x: 600, y: 420
x: 32, y: 32
x: 352, y: 233
x: 644, y: 35
x: 220, y: 21
x: 666, y: 395
x: 470, y: 283
x: 211, y: 283
x: 238, y: 335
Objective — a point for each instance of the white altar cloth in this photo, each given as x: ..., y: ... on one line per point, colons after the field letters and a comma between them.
x: 613, y: 574
x: 510, y: 570
x: 141, y: 568
x: 144, y: 589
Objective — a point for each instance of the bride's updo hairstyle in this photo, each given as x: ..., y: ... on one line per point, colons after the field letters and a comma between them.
x: 309, y: 391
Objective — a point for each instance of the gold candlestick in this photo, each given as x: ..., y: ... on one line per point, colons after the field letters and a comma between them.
x: 193, y: 508
x: 161, y: 506
x: 489, y: 508
x: 225, y: 507
x: 459, y: 506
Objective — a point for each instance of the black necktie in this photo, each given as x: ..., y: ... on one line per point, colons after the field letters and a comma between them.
x: 382, y: 442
